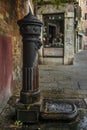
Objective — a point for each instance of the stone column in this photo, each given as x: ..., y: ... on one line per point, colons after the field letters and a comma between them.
x: 69, y: 38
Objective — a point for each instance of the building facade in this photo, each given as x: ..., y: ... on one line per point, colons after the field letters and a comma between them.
x: 83, y: 5
x: 57, y: 34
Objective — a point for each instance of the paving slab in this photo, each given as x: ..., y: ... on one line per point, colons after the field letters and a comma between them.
x: 70, y: 78
x: 85, y: 99
x: 82, y: 85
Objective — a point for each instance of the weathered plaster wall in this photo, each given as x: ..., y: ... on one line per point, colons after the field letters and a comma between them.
x: 69, y: 38
x: 9, y: 30
x: 10, y: 12
x: 46, y: 9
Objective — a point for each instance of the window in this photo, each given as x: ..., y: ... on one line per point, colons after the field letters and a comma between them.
x: 85, y: 16
x: 53, y: 31
x: 86, y: 2
x: 86, y: 32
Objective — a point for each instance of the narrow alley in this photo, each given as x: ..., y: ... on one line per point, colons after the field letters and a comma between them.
x: 43, y: 65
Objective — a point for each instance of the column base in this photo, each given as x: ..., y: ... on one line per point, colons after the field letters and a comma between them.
x: 30, y: 97
x: 28, y: 113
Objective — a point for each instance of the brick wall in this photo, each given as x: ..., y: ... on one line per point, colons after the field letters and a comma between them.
x: 10, y: 12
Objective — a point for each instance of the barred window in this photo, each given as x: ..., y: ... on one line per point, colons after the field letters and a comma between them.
x: 86, y: 32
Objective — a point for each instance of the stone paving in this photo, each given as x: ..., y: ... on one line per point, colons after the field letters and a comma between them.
x: 66, y: 81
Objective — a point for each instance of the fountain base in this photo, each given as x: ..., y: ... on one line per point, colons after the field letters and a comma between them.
x: 28, y: 113
x: 58, y: 110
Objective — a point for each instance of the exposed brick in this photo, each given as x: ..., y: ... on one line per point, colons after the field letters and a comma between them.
x: 10, y: 12
x: 1, y: 16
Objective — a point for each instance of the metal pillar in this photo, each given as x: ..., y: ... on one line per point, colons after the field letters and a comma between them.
x: 30, y: 29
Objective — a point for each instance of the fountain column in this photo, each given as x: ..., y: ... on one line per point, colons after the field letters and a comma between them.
x: 30, y: 29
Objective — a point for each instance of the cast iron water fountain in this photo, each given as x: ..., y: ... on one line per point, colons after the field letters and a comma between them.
x: 30, y: 107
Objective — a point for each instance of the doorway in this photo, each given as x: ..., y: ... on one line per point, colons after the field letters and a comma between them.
x: 51, y: 33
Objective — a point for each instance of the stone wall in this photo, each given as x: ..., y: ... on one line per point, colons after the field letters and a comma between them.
x: 69, y: 38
